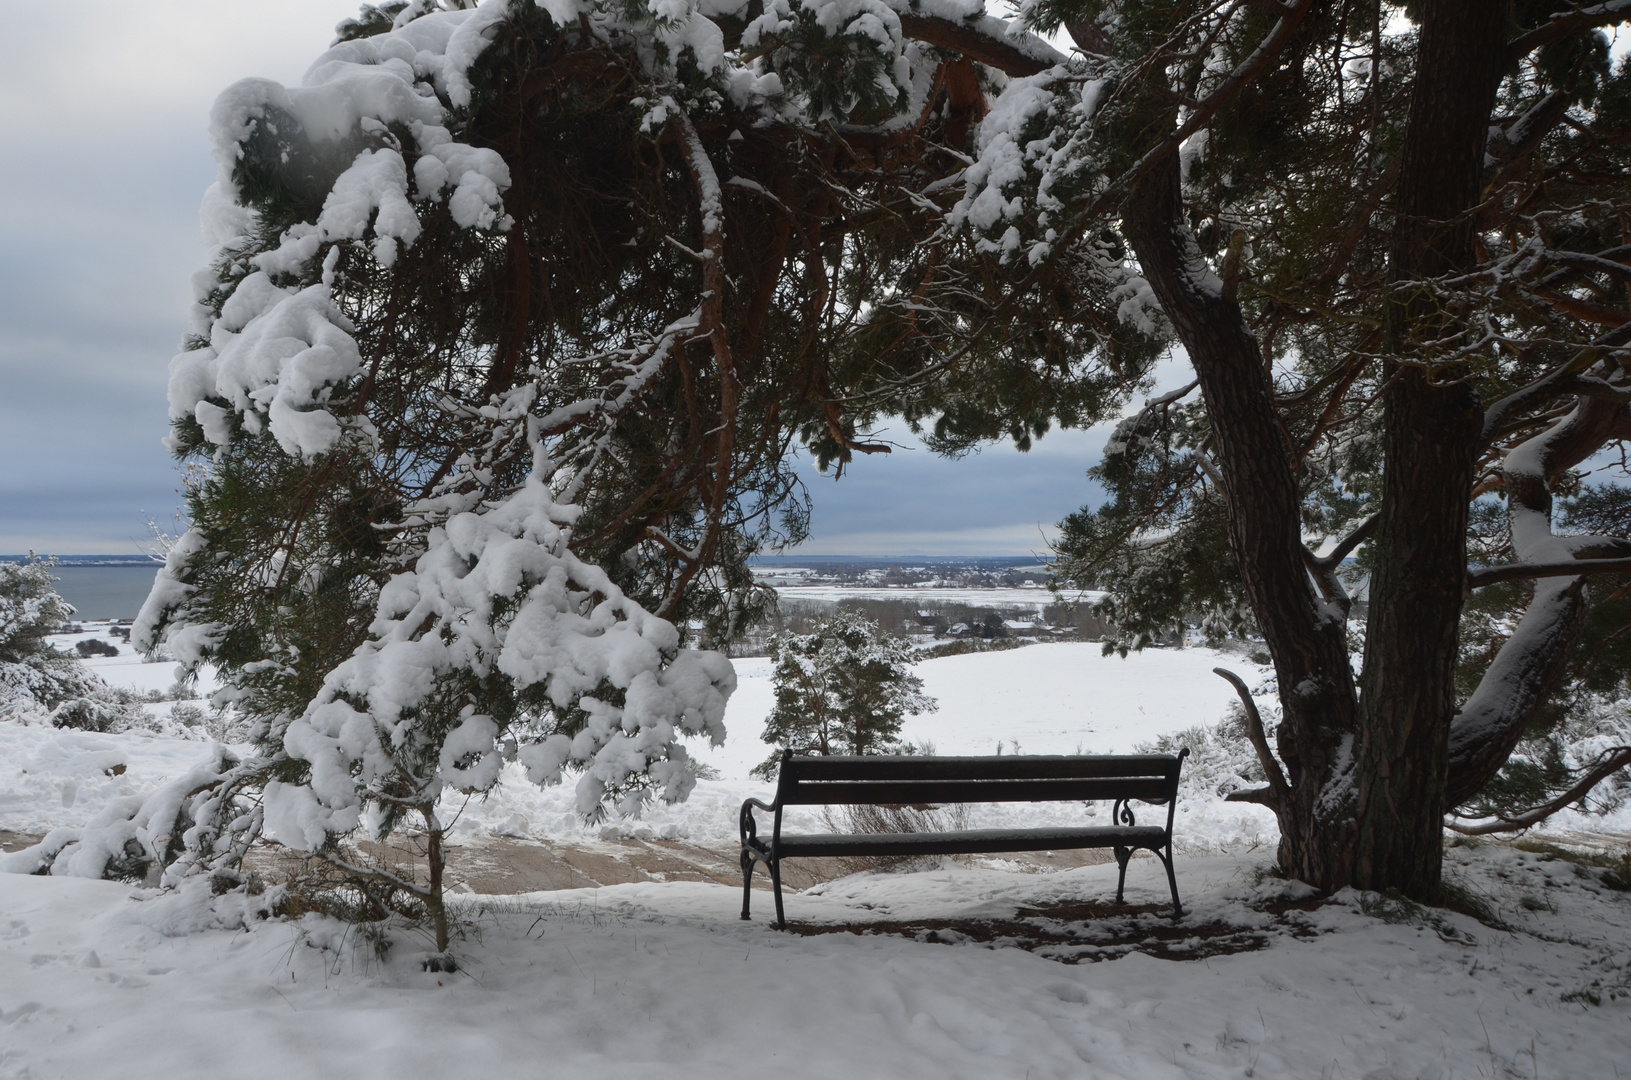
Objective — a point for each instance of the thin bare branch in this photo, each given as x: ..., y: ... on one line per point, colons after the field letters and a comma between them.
x: 1278, y: 789
x: 1490, y: 575
x: 1608, y: 763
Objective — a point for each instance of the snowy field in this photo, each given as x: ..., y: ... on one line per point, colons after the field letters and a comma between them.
x: 1061, y: 698
x: 662, y: 978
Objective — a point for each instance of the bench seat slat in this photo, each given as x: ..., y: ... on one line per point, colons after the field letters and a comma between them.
x: 1028, y: 767
x: 971, y: 841
x: 842, y: 792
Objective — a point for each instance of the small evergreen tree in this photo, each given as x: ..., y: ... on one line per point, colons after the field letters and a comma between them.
x: 37, y: 681
x: 32, y: 673
x: 843, y: 688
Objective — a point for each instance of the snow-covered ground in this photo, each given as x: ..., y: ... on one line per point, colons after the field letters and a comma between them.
x: 662, y: 980
x: 1052, y: 698
x: 1042, y: 699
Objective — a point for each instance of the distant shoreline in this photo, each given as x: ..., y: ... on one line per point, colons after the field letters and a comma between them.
x: 85, y: 560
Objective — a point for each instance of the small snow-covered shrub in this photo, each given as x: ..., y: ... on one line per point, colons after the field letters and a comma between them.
x: 96, y: 712
x: 29, y: 609
x: 38, y: 684
x: 34, y: 677
x: 1221, y: 758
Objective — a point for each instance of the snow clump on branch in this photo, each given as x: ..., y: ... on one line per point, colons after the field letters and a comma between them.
x: 275, y: 354
x: 500, y: 592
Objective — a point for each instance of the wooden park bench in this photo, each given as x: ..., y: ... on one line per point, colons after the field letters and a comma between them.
x: 921, y: 781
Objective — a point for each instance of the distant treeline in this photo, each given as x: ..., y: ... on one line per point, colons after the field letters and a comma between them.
x: 923, y: 616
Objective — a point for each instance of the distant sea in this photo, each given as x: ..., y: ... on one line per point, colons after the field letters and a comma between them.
x: 105, y: 592
x: 101, y: 586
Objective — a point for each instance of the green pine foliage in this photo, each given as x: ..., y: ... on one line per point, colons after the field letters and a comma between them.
x: 843, y: 688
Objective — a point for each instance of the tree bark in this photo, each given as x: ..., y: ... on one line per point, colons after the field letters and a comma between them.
x: 1367, y: 780
x: 435, y: 900
x: 1432, y: 432
x: 1306, y: 636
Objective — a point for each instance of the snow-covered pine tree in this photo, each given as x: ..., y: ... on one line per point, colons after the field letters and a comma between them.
x: 514, y: 315
x: 32, y: 674
x: 843, y: 688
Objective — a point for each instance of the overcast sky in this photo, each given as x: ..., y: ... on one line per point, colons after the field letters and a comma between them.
x: 103, y: 108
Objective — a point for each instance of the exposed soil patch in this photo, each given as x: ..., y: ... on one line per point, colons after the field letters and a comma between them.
x: 1075, y: 931
x: 502, y: 866
x: 17, y: 841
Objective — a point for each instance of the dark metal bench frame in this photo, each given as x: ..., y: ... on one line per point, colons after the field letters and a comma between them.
x: 887, y: 781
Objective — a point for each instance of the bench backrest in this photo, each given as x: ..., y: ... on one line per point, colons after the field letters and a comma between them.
x: 826, y: 781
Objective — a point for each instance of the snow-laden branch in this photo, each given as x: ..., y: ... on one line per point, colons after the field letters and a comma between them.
x: 1530, y: 663
x: 1562, y: 24
x: 1607, y: 764
x: 501, y: 593
x: 1023, y: 55
x: 196, y: 823
x: 1551, y: 383
x: 1489, y: 575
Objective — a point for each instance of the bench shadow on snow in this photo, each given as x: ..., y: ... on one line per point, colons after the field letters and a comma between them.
x: 1077, y: 931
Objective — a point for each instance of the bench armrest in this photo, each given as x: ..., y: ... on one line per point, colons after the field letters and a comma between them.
x: 750, y: 825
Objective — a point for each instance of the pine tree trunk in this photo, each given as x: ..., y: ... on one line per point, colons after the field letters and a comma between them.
x: 1417, y: 588
x: 1431, y: 443
x: 1367, y: 780
x: 435, y: 905
x: 1307, y: 640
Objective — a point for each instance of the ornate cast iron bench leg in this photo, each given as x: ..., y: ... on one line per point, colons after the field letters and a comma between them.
x: 747, y: 881
x: 1122, y: 855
